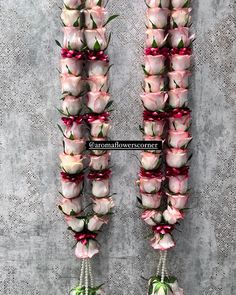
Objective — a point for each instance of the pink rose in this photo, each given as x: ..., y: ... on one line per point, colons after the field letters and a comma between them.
x: 95, y: 17
x: 71, y: 85
x: 97, y: 101
x: 70, y: 206
x: 180, y: 124
x: 176, y: 158
x: 154, y: 65
x: 74, y: 146
x: 157, y: 18
x: 96, y: 222
x: 178, y: 98
x: 179, y: 139
x: 76, y: 224
x: 71, y: 164
x: 150, y: 185
x: 99, y: 163
x: 73, y: 4
x: 160, y: 242
x: 152, y: 138
x: 154, y: 101
x: 172, y: 215
x: 153, y: 84
x: 154, y: 128
x: 96, y: 39
x: 98, y: 83
x: 86, y: 251
x: 152, y: 217
x: 178, y: 184
x: 97, y: 68
x: 102, y: 206
x: 178, y: 201
x: 75, y: 131
x: 180, y: 62
x: 151, y: 201
x: 100, y: 188
x: 179, y: 79
x: 150, y: 161
x: 70, y: 17
x: 92, y: 3
x: 178, y: 3
x: 156, y: 37
x: 71, y: 66
x: 98, y: 152
x: 73, y: 38
x: 180, y: 37
x: 180, y: 18
x: 72, y: 105
x: 158, y: 3
x: 71, y: 190
x: 99, y: 128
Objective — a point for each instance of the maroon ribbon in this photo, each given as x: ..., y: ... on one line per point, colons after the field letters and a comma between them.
x: 83, y: 55
x: 72, y: 53
x: 157, y: 51
x: 179, y: 113
x: 84, y: 237
x: 163, y: 229
x: 177, y: 171
x: 181, y: 51
x: 68, y: 121
x: 154, y: 116
x: 93, y: 175
x: 150, y: 174
x: 96, y: 55
x: 72, y: 178
x: 104, y: 117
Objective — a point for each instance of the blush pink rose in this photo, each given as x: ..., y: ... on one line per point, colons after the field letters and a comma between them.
x: 95, y: 17
x: 162, y: 243
x: 96, y: 39
x: 178, y: 184
x: 98, y: 152
x: 152, y: 138
x: 180, y: 124
x: 71, y: 164
x: 176, y: 158
x: 97, y: 101
x: 98, y: 83
x: 92, y: 3
x: 150, y: 185
x: 180, y: 18
x: 154, y: 101
x: 74, y: 146
x: 100, y: 188
x: 180, y: 37
x: 102, y: 206
x: 71, y: 85
x: 99, y: 163
x: 73, y: 4
x: 180, y: 62
x: 71, y: 66
x: 95, y: 222
x: 150, y: 161
x: 172, y: 215
x: 178, y: 201
x: 179, y: 139
x: 72, y: 105
x: 70, y: 17
x: 71, y: 190
x: 178, y: 98
x: 179, y: 79
x: 154, y: 128
x: 151, y: 201
x: 73, y: 38
x: 86, y: 251
x: 157, y: 18
x: 152, y: 217
x: 76, y: 224
x: 178, y: 3
x: 154, y: 65
x: 75, y: 131
x: 99, y: 128
x: 154, y: 84
x: 156, y: 37
x: 70, y: 206
x: 158, y: 3
x: 97, y: 68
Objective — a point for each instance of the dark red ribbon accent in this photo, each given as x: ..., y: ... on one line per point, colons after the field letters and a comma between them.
x: 154, y: 116
x: 177, y: 171
x: 72, y: 178
x: 150, y: 174
x: 179, y: 113
x: 157, y: 51
x: 104, y: 117
x: 96, y: 55
x: 163, y: 229
x: 66, y: 53
x: 68, y: 121
x: 181, y: 51
x: 84, y: 237
x: 94, y: 175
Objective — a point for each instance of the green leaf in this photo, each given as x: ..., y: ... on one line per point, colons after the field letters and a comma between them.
x: 174, y: 23
x: 58, y: 43
x: 69, y: 71
x: 69, y: 46
x: 99, y: 3
x: 60, y: 129
x: 181, y: 44
x: 177, y: 86
x: 153, y: 25
x: 145, y: 72
x: 94, y: 23
x: 109, y: 104
x: 141, y: 129
x: 154, y: 44
x: 76, y: 23
x: 110, y: 19
x: 150, y: 87
x: 186, y: 5
x: 97, y: 46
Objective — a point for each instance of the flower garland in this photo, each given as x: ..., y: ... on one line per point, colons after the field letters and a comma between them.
x: 163, y: 179
x: 85, y: 114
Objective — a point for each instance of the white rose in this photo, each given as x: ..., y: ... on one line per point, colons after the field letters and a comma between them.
x: 100, y: 188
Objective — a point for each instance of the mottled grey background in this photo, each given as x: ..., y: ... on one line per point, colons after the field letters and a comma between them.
x: 35, y: 248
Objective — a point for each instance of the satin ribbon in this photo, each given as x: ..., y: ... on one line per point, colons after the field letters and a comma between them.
x: 157, y: 51
x: 163, y: 229
x: 150, y: 174
x: 68, y: 121
x: 96, y: 55
x: 66, y: 53
x: 181, y: 51
x: 179, y: 113
x: 72, y: 178
x: 84, y: 237
x: 93, y: 175
x: 104, y: 117
x: 83, y: 55
x: 154, y: 116
x: 177, y: 171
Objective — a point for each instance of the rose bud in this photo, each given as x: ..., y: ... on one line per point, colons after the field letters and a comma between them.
x: 157, y: 18
x: 96, y: 39
x: 180, y: 18
x: 150, y: 161
x: 154, y: 101
x: 156, y: 38
x: 179, y: 79
x: 88, y: 250
x: 154, y: 65
x: 151, y: 217
x: 180, y: 37
x: 98, y: 152
x: 98, y: 83
x: 95, y: 17
x: 102, y: 206
x: 71, y: 164
x: 99, y: 128
x: 92, y: 3
x: 160, y: 242
x: 179, y: 139
x: 99, y: 163
x: 175, y: 287
x: 100, y: 188
x: 178, y: 184
x: 72, y: 105
x: 97, y: 101
x: 76, y: 224
x: 176, y: 158
x: 158, y: 3
x: 154, y: 84
x: 70, y: 17
x: 71, y: 187
x: 74, y: 146
x: 71, y: 85
x: 70, y: 206
x: 178, y: 201
x: 178, y: 98
x: 71, y: 66
x: 180, y: 123
x: 72, y: 4
x: 172, y: 215
x: 95, y: 222
x: 154, y: 128
x: 180, y: 62
x: 73, y: 38
x: 97, y: 68
x: 150, y: 185
x: 179, y: 3
x: 75, y: 130
x: 151, y: 201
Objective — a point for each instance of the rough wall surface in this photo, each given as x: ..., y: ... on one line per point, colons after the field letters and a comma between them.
x: 35, y: 248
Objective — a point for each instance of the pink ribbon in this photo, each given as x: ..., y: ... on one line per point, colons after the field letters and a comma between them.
x: 157, y: 51
x: 68, y: 121
x: 150, y: 174
x: 177, y: 171
x: 84, y: 237
x: 181, y: 51
x: 179, y: 113
x: 72, y: 178
x: 104, y: 117
x: 93, y: 175
x: 163, y: 229
x: 154, y: 116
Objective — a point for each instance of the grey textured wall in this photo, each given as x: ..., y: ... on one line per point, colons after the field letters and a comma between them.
x: 35, y: 248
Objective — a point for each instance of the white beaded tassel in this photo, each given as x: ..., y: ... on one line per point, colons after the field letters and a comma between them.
x: 159, y: 264
x: 90, y: 274
x: 82, y: 273
x: 163, y: 266
x: 86, y: 278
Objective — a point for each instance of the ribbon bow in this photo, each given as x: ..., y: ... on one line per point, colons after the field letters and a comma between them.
x: 163, y: 229
x: 68, y: 121
x: 84, y: 237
